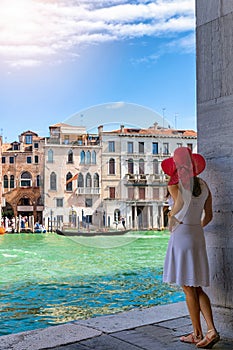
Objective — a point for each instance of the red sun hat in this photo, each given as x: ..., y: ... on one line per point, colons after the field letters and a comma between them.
x: 183, y: 165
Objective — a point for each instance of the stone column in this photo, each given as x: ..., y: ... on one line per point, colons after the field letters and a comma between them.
x: 214, y: 34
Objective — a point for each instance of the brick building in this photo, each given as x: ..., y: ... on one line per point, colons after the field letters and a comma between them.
x: 22, y: 177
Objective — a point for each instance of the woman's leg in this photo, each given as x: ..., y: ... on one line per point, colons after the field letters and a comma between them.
x: 206, y: 309
x: 192, y: 300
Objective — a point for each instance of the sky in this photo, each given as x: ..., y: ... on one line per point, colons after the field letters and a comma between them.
x: 59, y: 58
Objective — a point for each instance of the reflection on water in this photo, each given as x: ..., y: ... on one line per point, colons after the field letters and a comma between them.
x: 48, y: 279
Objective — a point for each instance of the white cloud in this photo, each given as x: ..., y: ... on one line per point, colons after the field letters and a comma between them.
x: 51, y: 29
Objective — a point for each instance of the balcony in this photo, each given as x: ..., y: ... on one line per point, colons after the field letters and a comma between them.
x: 87, y: 190
x: 137, y: 178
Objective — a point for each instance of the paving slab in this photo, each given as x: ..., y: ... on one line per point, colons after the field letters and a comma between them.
x: 135, y: 318
x: 47, y: 338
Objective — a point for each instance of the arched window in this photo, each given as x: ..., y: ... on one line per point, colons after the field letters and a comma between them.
x: 70, y: 156
x: 93, y: 157
x: 88, y: 157
x: 112, y: 166
x: 53, y: 181
x: 39, y: 201
x: 88, y: 180
x: 96, y: 180
x: 82, y: 157
x: 50, y: 156
x: 26, y: 179
x: 38, y: 181
x: 12, y: 181
x: 80, y: 180
x: 141, y: 166
x: 130, y: 166
x: 69, y: 186
x: 5, y: 181
x: 155, y: 166
x: 117, y: 215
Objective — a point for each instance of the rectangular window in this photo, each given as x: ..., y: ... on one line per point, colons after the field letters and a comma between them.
x: 3, y: 160
x: 29, y: 160
x: 156, y: 193
x: 36, y: 159
x: 165, y: 148
x: 15, y: 147
x: 25, y: 183
x: 112, y: 192
x: 11, y: 160
x: 130, y: 193
x: 142, y: 193
x: 155, y: 148
x: 28, y: 139
x: 190, y: 145
x: 88, y: 202
x: 141, y: 147
x: 66, y: 139
x: 111, y: 146
x: 36, y: 145
x: 130, y: 147
x: 59, y: 202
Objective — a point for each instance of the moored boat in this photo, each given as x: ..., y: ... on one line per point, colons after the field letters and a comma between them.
x: 91, y: 233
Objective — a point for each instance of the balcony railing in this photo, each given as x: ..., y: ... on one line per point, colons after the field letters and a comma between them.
x: 137, y: 178
x: 88, y: 190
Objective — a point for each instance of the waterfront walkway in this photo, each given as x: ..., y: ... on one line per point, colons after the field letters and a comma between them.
x: 152, y: 328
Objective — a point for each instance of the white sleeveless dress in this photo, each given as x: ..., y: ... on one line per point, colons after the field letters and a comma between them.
x: 186, y: 262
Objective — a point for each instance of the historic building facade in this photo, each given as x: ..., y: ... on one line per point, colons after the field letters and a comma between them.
x: 133, y: 184
x: 22, y: 177
x: 72, y: 177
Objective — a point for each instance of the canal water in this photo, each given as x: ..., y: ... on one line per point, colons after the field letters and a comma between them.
x: 46, y: 279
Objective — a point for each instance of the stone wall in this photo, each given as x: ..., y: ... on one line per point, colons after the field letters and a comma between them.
x: 214, y: 35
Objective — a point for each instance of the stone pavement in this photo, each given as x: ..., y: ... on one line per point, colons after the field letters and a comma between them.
x: 152, y: 328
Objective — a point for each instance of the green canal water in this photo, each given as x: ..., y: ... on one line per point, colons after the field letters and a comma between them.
x: 46, y: 279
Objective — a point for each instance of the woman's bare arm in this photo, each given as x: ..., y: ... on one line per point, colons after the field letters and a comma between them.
x: 177, y: 198
x: 208, y: 211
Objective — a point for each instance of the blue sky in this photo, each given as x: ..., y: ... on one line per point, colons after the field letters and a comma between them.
x: 61, y: 57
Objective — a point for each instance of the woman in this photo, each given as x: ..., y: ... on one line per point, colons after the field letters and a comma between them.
x: 186, y: 262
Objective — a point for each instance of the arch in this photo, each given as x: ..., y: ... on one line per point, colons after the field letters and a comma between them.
x: 112, y: 166
x: 80, y: 180
x: 88, y: 180
x: 117, y: 215
x: 96, y: 180
x: 25, y: 201
x: 82, y: 157
x: 5, y: 181
x: 39, y: 201
x: 88, y: 157
x: 93, y: 157
x: 69, y: 184
x: 38, y: 181
x: 53, y: 181
x: 12, y: 181
x: 70, y: 156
